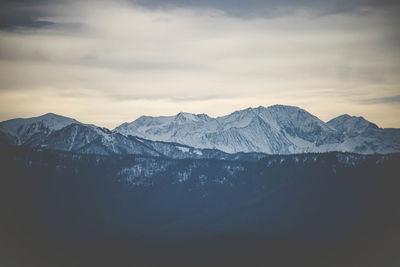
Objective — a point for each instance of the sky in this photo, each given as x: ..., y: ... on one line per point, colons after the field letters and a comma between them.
x: 109, y: 62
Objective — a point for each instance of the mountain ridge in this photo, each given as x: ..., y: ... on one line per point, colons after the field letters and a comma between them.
x: 276, y: 129
x: 287, y: 130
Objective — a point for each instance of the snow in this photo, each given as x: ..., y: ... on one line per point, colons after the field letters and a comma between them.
x: 50, y: 120
x: 73, y: 138
x: 198, y: 152
x: 23, y: 129
x: 276, y: 129
x: 183, y: 149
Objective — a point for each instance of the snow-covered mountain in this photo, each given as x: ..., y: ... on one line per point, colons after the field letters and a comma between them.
x: 60, y: 133
x: 273, y: 130
x: 276, y: 129
x: 33, y: 130
x: 362, y: 136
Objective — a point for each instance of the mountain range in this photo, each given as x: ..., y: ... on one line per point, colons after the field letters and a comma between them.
x: 276, y: 129
x: 191, y: 190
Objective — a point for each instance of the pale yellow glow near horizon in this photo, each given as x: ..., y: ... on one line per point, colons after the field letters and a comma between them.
x: 123, y: 62
x: 118, y: 113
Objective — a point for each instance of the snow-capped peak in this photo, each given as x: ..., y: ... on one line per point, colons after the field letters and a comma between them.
x: 183, y: 117
x: 25, y: 129
x: 252, y: 129
x: 276, y: 129
x: 351, y: 125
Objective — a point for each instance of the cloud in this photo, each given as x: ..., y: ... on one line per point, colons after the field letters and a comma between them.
x: 164, y: 97
x: 106, y: 62
x: 26, y: 14
x: 33, y: 13
x: 383, y: 100
x: 272, y: 8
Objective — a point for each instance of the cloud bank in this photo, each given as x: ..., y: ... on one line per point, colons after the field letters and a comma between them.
x: 107, y: 63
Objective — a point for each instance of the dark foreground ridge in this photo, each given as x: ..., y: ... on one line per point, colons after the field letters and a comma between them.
x: 329, y: 209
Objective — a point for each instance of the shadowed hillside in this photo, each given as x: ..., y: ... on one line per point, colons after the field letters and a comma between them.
x: 332, y: 208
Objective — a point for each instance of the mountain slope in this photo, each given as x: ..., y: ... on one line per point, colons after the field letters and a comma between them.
x: 276, y: 129
x: 90, y: 139
x: 33, y: 130
x: 330, y: 197
x: 362, y: 136
x: 273, y: 130
x: 261, y: 129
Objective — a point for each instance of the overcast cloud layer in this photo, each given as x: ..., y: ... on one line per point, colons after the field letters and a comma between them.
x: 107, y: 63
